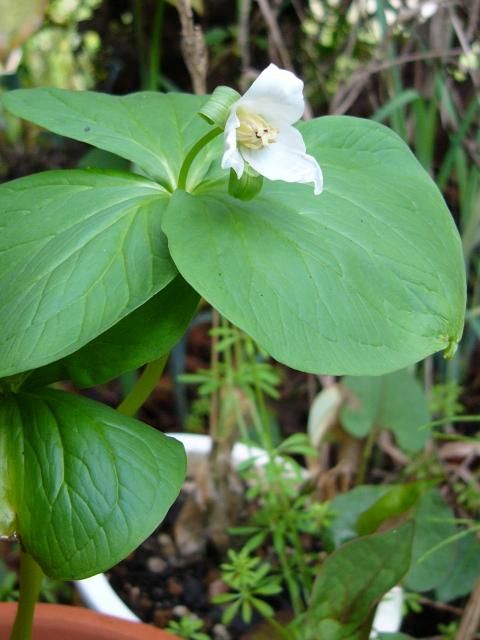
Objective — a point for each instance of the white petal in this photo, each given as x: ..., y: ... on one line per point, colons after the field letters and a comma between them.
x: 276, y: 95
x: 281, y: 162
x: 291, y: 138
x: 231, y: 157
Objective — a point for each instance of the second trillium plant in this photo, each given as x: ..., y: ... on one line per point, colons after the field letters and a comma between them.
x: 101, y: 272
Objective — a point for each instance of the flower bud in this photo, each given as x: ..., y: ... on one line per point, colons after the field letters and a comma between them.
x: 246, y: 187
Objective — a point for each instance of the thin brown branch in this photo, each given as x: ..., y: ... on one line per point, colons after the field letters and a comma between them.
x: 275, y: 34
x: 441, y: 606
x: 344, y: 98
x: 194, y: 49
x: 279, y: 44
x: 244, y: 34
x: 470, y: 621
x: 465, y: 44
x: 473, y: 19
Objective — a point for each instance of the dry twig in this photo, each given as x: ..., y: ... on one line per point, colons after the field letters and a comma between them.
x: 470, y: 621
x: 244, y: 34
x: 279, y: 44
x: 194, y: 49
x: 347, y: 95
x: 465, y: 44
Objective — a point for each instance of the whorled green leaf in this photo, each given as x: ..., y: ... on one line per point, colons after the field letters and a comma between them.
x: 465, y: 571
x: 365, y: 507
x: 152, y: 130
x: 144, y: 335
x: 85, y: 484
x: 347, y: 508
x: 352, y: 580
x: 364, y: 279
x: 395, y: 402
x: 397, y: 501
x: 433, y: 525
x: 79, y: 250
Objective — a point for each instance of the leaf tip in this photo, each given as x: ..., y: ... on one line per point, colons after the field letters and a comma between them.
x: 451, y: 347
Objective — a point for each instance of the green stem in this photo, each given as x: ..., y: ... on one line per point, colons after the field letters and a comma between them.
x: 397, y: 117
x: 30, y: 581
x: 299, y: 554
x: 138, y: 23
x: 282, y: 631
x: 366, y: 453
x: 143, y: 387
x: 192, y: 154
x: 155, y: 47
x: 294, y: 594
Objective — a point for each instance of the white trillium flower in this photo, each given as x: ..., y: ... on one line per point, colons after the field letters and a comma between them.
x: 259, y: 131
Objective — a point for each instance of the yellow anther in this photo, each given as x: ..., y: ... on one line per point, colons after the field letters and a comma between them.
x: 254, y: 132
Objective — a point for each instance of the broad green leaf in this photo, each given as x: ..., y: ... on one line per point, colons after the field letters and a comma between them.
x: 365, y: 505
x: 99, y: 159
x: 433, y: 524
x: 79, y: 250
x: 152, y: 130
x: 87, y: 485
x: 348, y: 507
x: 364, y: 279
x: 352, y: 580
x: 398, y: 499
x: 144, y: 335
x: 394, y: 636
x: 465, y: 571
x: 395, y: 402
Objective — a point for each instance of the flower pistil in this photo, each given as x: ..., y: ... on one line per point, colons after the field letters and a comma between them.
x: 254, y: 132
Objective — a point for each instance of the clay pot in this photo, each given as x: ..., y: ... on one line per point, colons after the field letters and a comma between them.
x: 59, y: 622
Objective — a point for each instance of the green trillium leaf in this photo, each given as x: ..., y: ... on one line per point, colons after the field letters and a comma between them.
x: 152, y: 130
x: 465, y: 569
x: 79, y: 250
x: 434, y: 523
x: 364, y: 279
x: 81, y: 485
x: 144, y: 335
x: 352, y: 580
x: 347, y: 508
x: 399, y: 499
x: 395, y: 402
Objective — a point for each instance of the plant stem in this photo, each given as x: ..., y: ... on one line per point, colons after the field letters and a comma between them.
x: 214, y: 417
x: 192, y: 154
x: 282, y: 631
x: 30, y: 581
x: 155, y: 47
x: 288, y: 574
x: 143, y: 387
x: 366, y: 453
x: 397, y: 117
x: 138, y: 23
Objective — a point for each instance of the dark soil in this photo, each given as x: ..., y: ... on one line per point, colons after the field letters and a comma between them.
x: 160, y: 585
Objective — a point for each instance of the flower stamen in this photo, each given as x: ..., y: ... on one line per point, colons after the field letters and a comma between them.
x: 254, y: 131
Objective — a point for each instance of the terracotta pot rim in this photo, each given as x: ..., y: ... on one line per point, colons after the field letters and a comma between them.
x: 59, y: 622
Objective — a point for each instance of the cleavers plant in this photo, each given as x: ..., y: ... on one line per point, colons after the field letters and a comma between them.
x: 101, y: 271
